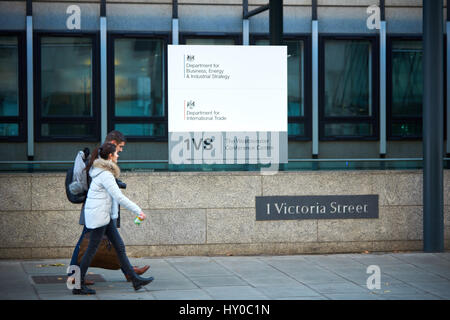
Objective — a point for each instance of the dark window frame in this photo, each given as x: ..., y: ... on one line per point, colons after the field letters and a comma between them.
x: 93, y: 120
x: 20, y: 119
x: 112, y: 119
x: 237, y: 37
x: 374, y: 120
x: 390, y: 120
x: 306, y: 119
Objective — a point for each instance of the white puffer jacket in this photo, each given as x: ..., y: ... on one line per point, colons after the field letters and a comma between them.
x: 104, y: 196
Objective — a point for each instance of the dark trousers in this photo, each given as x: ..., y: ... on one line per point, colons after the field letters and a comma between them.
x: 116, y: 240
x: 76, y: 251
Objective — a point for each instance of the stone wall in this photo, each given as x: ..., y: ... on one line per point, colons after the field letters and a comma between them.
x: 213, y: 213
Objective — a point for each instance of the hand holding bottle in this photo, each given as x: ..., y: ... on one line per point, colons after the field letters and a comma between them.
x: 141, y: 217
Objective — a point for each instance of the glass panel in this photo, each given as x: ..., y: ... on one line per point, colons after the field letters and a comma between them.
x: 210, y: 41
x: 407, y: 129
x: 348, y: 129
x: 348, y: 78
x: 66, y: 76
x: 9, y: 76
x: 138, y: 68
x: 296, y: 129
x: 407, y: 78
x: 67, y: 130
x: 142, y: 129
x: 9, y: 129
x: 295, y: 76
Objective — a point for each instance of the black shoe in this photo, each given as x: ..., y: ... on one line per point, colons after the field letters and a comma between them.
x: 84, y: 290
x: 139, y: 282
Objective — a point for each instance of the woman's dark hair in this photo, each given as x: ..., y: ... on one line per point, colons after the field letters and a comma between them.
x: 101, y: 152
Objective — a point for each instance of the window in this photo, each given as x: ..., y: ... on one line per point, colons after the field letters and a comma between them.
x: 405, y: 90
x: 298, y: 112
x: 137, y: 96
x: 12, y: 88
x: 66, y: 88
x: 348, y: 101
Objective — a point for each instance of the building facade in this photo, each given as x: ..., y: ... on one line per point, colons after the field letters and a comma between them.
x: 354, y: 84
x: 70, y: 71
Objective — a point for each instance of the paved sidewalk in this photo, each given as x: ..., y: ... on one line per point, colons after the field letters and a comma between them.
x: 407, y: 276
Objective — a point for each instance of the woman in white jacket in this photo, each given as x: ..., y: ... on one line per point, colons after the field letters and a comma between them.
x: 103, y: 199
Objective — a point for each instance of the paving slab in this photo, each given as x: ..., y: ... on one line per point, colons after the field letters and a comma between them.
x: 193, y: 294
x: 403, y: 276
x: 286, y: 292
x: 235, y: 293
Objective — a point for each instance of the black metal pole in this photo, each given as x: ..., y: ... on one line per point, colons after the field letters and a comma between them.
x: 382, y: 10
x: 29, y: 8
x: 433, y: 142
x: 174, y: 9
x: 244, y: 8
x: 103, y: 8
x: 276, y: 21
x: 314, y: 9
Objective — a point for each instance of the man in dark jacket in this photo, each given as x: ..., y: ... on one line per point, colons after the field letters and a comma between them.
x: 118, y: 139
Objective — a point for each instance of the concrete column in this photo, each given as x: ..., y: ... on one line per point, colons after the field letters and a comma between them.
x: 433, y: 144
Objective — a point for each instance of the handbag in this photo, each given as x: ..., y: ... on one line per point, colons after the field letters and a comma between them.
x: 105, y: 257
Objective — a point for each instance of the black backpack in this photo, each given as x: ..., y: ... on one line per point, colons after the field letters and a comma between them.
x: 80, y: 197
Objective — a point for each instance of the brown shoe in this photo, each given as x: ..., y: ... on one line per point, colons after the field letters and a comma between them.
x: 138, y: 271
x: 86, y: 282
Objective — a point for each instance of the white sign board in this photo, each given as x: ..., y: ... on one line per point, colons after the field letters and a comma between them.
x: 227, y: 104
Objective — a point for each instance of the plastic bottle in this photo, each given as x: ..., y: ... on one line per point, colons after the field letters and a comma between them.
x: 138, y: 220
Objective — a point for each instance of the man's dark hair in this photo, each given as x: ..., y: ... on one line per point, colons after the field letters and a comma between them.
x: 116, y: 136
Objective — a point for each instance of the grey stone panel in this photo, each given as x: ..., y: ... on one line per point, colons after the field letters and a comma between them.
x: 364, y: 3
x: 137, y: 188
x: 15, y: 192
x: 203, y: 191
x: 147, y: 233
x: 53, y: 16
x: 207, y: 18
x: 394, y: 223
x: 296, y: 19
x: 16, y: 151
x: 46, y: 229
x: 348, y: 149
x: 317, y: 183
x: 404, y: 20
x: 139, y: 17
x: 401, y: 188
x: 48, y: 192
x: 344, y: 20
x: 230, y: 225
x: 446, y: 187
x: 12, y: 15
x: 183, y: 226
x: 285, y: 231
x: 447, y: 222
x: 57, y: 151
x: 404, y: 149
